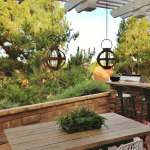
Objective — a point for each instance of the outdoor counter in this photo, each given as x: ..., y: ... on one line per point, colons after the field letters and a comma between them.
x: 129, y: 84
x: 134, y: 88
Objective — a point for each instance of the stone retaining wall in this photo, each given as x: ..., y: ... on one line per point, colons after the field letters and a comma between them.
x: 50, y: 111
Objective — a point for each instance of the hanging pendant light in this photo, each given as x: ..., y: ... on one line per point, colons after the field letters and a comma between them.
x: 107, y: 58
x: 53, y: 58
x: 106, y: 62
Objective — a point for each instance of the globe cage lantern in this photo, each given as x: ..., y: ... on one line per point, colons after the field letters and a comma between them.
x: 109, y: 61
x: 107, y: 56
x: 53, y: 58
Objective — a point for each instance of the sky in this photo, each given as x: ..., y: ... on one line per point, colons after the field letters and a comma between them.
x: 92, y: 29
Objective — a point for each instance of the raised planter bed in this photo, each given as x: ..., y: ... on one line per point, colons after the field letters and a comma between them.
x: 77, y: 128
x: 80, y: 120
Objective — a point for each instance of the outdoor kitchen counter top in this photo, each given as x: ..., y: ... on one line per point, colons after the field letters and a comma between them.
x: 132, y: 84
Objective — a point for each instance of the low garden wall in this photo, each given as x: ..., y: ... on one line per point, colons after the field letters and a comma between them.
x: 49, y: 111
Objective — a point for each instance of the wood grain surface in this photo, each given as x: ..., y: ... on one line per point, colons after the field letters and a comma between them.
x: 132, y: 84
x: 46, y: 136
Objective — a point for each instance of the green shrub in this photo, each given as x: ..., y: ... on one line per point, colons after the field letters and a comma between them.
x: 5, y: 104
x: 24, y: 95
x: 83, y: 88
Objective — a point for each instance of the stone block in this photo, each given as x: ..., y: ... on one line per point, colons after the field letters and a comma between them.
x: 43, y: 110
x: 4, y: 112
x: 103, y: 102
x: 58, y: 107
x: 49, y: 114
x: 15, y: 123
x: 18, y: 110
x: 1, y: 127
x: 63, y: 111
x: 5, y: 118
x: 90, y: 101
x: 49, y: 119
x: 70, y: 109
x: 31, y: 119
x: 33, y: 107
x: 81, y: 103
x: 91, y: 105
x: 70, y: 100
x: 52, y: 108
x: 20, y: 115
x: 34, y: 112
x: 81, y: 98
x: 46, y: 104
x: 6, y: 125
x: 70, y: 105
x: 103, y: 111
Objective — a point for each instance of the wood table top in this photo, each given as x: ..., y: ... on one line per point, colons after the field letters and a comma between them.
x: 46, y: 136
x: 132, y: 84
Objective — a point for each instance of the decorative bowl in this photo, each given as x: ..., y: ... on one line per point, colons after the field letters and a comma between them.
x: 114, y: 79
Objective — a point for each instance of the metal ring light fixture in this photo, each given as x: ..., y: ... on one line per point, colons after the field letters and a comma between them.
x: 109, y: 60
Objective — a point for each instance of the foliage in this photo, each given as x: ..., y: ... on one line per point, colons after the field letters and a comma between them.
x: 40, y: 85
x: 81, y: 89
x: 115, y: 74
x: 43, y: 87
x: 24, y: 95
x: 81, y: 57
x: 80, y: 116
x: 8, y: 65
x: 5, y: 104
x: 31, y: 26
x: 133, y: 46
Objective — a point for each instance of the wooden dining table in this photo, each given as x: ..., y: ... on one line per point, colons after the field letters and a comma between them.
x: 47, y: 136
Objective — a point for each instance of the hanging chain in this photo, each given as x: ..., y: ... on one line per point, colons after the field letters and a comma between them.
x: 52, y: 16
x: 106, y: 21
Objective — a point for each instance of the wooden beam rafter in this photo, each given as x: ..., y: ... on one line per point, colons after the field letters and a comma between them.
x: 71, y: 4
x: 137, y: 8
x: 88, y: 5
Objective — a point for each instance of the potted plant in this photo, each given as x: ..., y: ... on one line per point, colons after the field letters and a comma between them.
x: 115, y: 77
x: 80, y: 119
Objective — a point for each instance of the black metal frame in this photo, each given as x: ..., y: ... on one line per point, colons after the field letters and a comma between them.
x: 120, y: 90
x: 146, y: 99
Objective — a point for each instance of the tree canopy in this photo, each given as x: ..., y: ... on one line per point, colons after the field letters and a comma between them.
x: 133, y: 48
x: 32, y: 25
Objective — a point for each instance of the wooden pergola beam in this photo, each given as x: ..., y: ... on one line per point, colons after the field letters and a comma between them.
x: 88, y: 5
x: 137, y: 8
x: 71, y: 4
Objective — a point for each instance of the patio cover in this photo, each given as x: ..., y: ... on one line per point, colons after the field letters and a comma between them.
x: 119, y: 8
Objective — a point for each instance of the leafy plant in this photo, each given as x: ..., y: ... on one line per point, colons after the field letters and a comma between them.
x: 81, y: 89
x: 79, y: 117
x: 114, y: 74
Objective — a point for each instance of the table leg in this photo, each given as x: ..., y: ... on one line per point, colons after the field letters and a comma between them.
x: 122, y: 108
x: 148, y: 109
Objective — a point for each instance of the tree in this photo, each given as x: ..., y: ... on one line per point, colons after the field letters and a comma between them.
x: 133, y: 45
x: 32, y: 25
x: 81, y: 58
